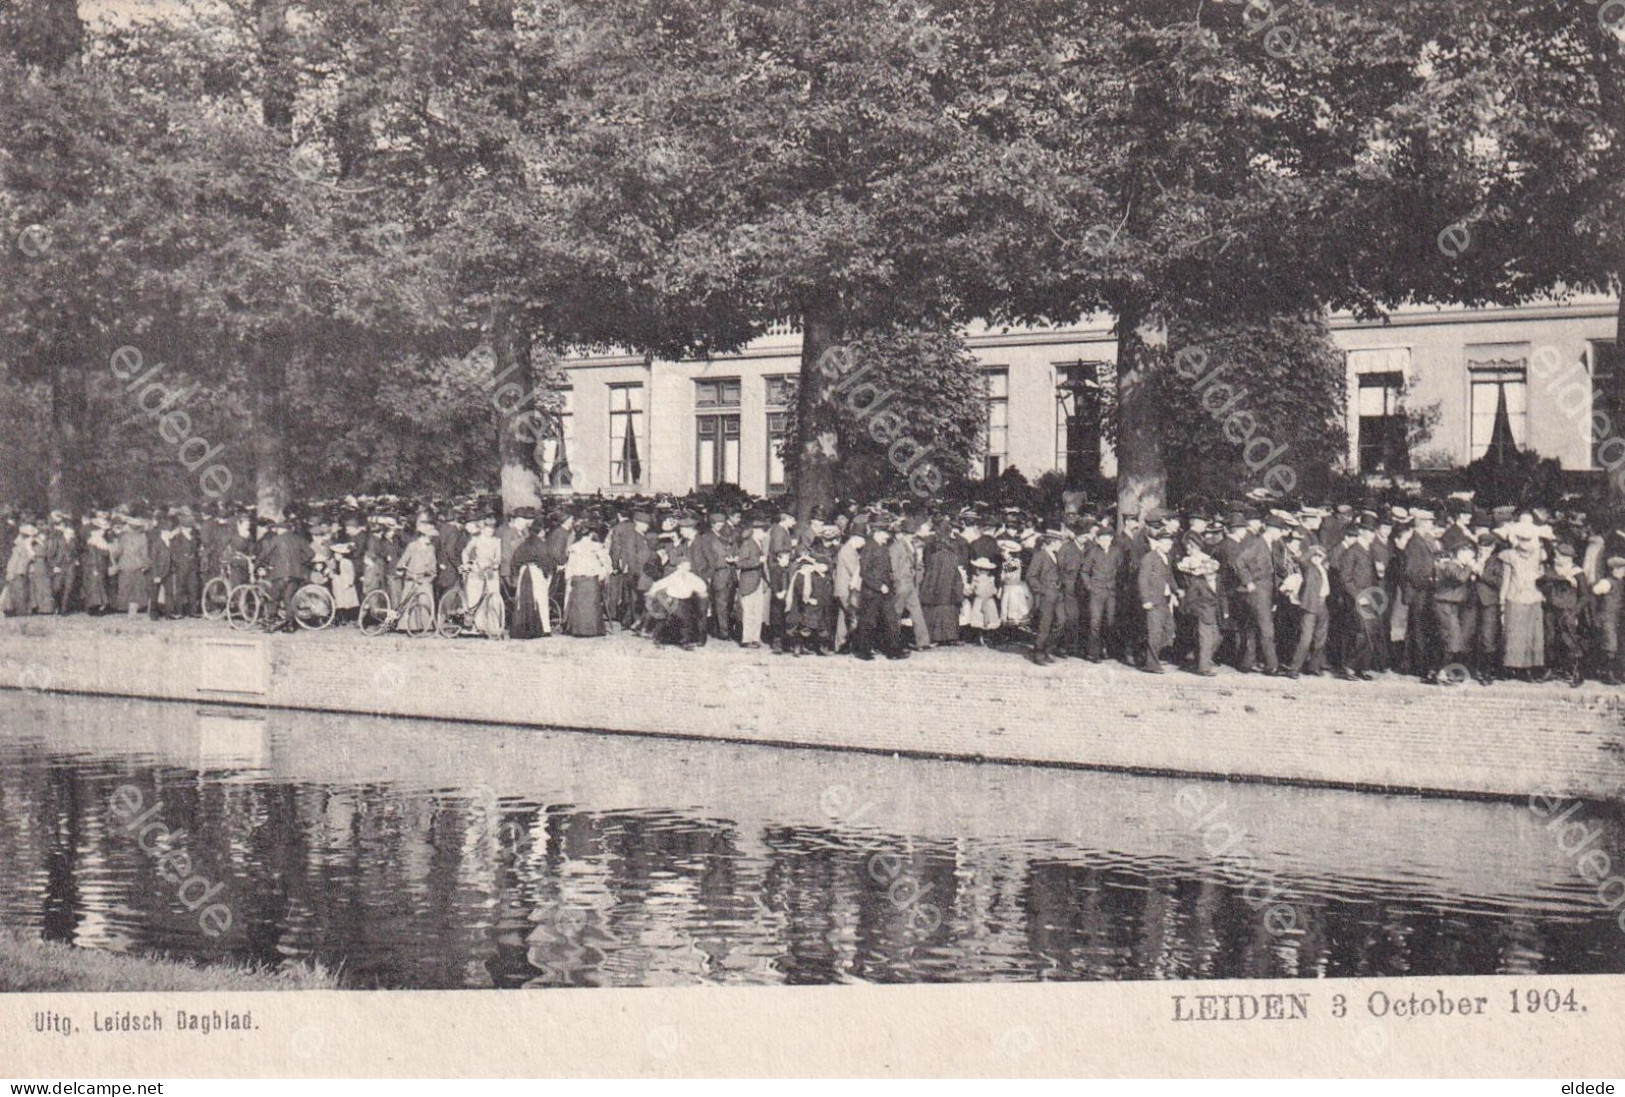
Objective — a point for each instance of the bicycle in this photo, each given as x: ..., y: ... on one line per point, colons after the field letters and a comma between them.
x: 378, y: 614
x: 255, y: 604
x: 457, y: 618
x: 216, y: 595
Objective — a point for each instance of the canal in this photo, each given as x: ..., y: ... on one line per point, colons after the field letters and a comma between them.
x: 417, y: 854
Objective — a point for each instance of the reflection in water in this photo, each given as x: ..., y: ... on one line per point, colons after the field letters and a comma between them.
x: 421, y: 855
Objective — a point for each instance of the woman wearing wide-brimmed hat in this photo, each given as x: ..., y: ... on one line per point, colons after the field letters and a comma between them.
x: 1523, y: 625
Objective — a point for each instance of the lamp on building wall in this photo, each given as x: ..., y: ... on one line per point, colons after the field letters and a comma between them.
x: 1078, y: 392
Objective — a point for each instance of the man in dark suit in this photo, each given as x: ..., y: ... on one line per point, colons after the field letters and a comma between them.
x: 1418, y: 582
x: 1460, y: 531
x: 1069, y: 625
x: 1200, y: 602
x: 1155, y: 586
x: 62, y: 560
x: 692, y: 612
x: 877, y: 610
x: 714, y: 562
x: 185, y: 554
x: 1455, y: 604
x: 1487, y: 596
x: 448, y: 555
x: 782, y: 537
x: 1606, y: 610
x: 1045, y: 584
x: 1314, y: 608
x: 1104, y: 566
x: 1357, y: 603
x: 285, y: 557
x: 163, y: 586
x: 1252, y: 567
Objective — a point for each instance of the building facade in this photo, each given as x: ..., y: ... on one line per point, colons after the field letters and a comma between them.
x: 1423, y: 392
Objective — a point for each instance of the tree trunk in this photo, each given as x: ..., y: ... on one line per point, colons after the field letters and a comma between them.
x: 824, y: 362
x: 268, y: 367
x: 513, y: 398
x: 1142, y: 479
x: 53, y: 39
x: 1608, y: 59
x: 66, y: 457
x: 268, y: 383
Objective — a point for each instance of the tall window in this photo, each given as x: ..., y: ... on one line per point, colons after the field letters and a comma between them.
x: 998, y: 422
x: 1608, y: 397
x: 1378, y: 428
x: 717, y: 449
x: 1381, y: 430
x: 557, y: 451
x: 628, y: 438
x: 1497, y: 383
x: 781, y: 395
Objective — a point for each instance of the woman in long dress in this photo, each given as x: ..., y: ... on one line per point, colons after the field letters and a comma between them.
x: 93, y: 569
x: 942, y: 590
x: 16, y: 593
x: 1015, y: 600
x: 39, y: 578
x: 414, y: 570
x: 341, y: 581
x: 132, y: 560
x: 1523, y: 627
x: 585, y: 571
x: 531, y: 613
x: 482, y: 561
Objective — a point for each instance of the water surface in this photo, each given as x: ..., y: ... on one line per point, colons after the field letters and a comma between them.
x: 430, y: 855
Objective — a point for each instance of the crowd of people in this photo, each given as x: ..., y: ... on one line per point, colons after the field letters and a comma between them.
x: 1446, y: 593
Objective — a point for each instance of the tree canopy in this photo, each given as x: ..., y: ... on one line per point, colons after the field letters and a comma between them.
x: 317, y: 211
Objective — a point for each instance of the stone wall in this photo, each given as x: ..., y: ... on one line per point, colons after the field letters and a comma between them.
x: 1508, y: 740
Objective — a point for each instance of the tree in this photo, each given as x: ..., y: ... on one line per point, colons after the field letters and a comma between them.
x: 910, y: 413
x: 834, y: 164
x: 1548, y: 147
x: 1222, y: 168
x: 1253, y: 404
x: 43, y: 38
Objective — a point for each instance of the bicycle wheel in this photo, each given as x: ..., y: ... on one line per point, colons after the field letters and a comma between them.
x: 417, y: 616
x: 244, y: 606
x: 555, y: 607
x: 375, y: 613
x: 313, y: 606
x: 453, y: 611
x: 216, y: 598
x: 499, y: 609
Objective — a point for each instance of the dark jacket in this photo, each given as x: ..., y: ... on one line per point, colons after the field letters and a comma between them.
x: 1104, y: 569
x: 285, y: 555
x: 1254, y: 563
x: 1156, y: 580
x: 1044, y: 575
x: 1312, y: 595
x: 874, y: 567
x: 751, y: 563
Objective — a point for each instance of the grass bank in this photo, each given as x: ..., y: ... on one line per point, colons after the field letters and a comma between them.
x: 29, y: 964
